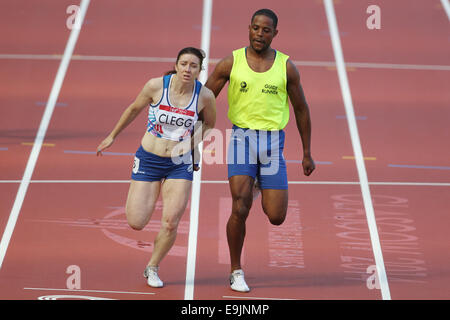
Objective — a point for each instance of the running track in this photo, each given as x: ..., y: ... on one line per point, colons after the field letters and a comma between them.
x: 381, y: 154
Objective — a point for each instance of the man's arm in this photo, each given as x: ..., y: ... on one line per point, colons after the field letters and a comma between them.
x: 207, y: 121
x: 220, y: 75
x: 302, y: 117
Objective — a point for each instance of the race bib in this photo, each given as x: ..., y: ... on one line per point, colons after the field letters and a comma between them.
x: 136, y: 165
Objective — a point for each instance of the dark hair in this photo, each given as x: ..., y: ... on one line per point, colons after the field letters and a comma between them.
x: 268, y: 13
x: 199, y: 53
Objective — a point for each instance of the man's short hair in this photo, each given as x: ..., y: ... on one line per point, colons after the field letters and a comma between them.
x: 268, y: 13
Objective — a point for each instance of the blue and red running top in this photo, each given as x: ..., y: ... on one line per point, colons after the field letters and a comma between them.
x: 169, y: 122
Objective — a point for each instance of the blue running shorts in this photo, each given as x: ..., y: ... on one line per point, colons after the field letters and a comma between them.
x: 151, y: 167
x: 259, y: 154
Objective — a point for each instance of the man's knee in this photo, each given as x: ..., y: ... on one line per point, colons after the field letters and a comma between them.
x: 275, y: 213
x: 275, y: 207
x: 241, y: 207
x: 277, y: 219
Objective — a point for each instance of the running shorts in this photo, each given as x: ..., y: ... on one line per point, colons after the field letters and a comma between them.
x: 258, y: 154
x: 151, y: 167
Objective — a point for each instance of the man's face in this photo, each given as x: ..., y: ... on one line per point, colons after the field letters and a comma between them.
x: 261, y: 33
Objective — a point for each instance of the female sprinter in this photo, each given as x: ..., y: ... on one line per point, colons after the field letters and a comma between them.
x: 177, y: 102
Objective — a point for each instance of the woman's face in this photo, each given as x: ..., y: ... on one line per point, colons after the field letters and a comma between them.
x: 188, y: 67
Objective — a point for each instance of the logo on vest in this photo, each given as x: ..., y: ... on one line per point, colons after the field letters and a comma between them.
x: 244, y: 87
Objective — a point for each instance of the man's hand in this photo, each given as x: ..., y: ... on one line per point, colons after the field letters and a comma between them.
x: 308, y: 165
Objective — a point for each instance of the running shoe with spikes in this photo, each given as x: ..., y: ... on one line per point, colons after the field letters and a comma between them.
x: 151, y: 273
x: 237, y: 281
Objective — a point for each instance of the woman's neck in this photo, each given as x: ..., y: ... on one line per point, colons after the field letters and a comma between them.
x: 181, y: 87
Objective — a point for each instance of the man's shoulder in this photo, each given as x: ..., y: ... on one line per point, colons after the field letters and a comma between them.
x: 234, y: 53
x: 282, y: 54
x: 225, y: 64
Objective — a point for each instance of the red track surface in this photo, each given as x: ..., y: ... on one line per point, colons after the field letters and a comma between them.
x: 323, y: 249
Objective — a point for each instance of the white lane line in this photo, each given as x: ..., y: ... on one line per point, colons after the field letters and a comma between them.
x: 41, y: 132
x: 374, y: 65
x: 379, y: 183
x: 446, y: 5
x: 96, y: 291
x: 124, y: 59
x: 413, y: 184
x: 367, y: 65
x: 16, y: 56
x: 357, y: 150
x: 397, y: 66
x: 196, y: 184
x: 80, y: 181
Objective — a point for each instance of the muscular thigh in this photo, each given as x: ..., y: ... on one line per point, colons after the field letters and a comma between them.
x: 272, y: 173
x: 275, y: 203
x: 142, y: 197
x: 175, y: 194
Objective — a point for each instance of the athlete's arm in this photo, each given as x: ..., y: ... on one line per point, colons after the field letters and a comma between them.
x: 220, y: 75
x: 302, y: 117
x: 207, y: 111
x: 206, y: 121
x: 142, y: 100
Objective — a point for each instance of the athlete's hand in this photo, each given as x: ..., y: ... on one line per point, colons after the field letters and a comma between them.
x: 195, y: 159
x: 308, y: 165
x: 105, y: 144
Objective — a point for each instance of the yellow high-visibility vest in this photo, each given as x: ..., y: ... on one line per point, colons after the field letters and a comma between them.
x: 258, y: 100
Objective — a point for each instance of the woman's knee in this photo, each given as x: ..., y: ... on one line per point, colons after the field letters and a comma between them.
x: 137, y: 219
x: 170, y: 224
x: 136, y: 225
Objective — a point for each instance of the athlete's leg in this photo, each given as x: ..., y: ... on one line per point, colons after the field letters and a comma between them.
x: 175, y: 195
x: 272, y: 176
x: 241, y: 187
x: 141, y: 200
x: 274, y: 203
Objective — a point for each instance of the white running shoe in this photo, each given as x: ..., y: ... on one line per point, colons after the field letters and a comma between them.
x: 151, y: 273
x: 237, y: 281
